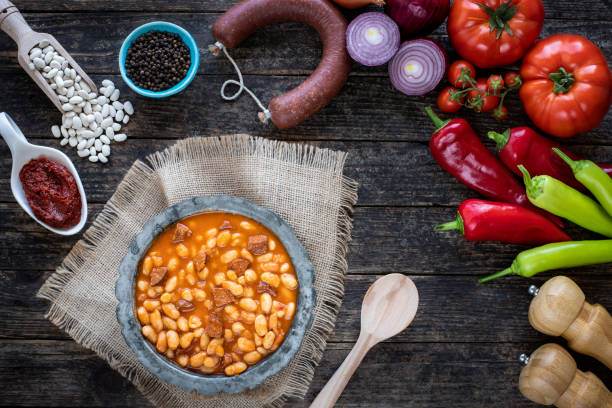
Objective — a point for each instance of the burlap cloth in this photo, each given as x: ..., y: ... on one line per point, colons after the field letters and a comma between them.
x: 302, y: 184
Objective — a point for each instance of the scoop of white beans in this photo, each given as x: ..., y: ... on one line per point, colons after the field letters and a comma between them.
x: 91, y: 121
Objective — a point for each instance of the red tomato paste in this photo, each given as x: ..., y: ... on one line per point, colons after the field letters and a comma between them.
x: 52, y: 193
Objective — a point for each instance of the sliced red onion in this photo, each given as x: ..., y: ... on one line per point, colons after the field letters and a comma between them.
x: 418, y: 67
x: 372, y: 39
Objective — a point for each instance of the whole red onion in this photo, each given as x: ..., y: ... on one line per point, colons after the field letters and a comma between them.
x: 417, y: 17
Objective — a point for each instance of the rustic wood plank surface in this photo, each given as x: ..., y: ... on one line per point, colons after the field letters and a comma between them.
x: 462, y: 348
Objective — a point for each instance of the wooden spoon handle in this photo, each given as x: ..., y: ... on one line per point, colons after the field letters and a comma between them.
x: 12, y: 22
x: 334, y: 387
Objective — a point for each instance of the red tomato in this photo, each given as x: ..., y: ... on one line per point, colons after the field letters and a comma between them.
x: 447, y: 103
x: 567, y: 85
x: 458, y: 69
x: 492, y: 33
x: 512, y: 79
x: 500, y: 114
x: 494, y: 84
x: 479, y: 98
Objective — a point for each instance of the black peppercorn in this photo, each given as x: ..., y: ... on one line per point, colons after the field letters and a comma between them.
x: 157, y: 60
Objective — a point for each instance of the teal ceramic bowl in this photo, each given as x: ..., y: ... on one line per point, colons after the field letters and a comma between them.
x: 161, y: 26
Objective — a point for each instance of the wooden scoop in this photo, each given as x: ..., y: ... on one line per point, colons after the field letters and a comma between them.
x: 388, y: 307
x: 13, y: 23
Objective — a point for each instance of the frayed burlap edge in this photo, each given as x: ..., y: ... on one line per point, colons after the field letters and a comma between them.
x: 139, y: 174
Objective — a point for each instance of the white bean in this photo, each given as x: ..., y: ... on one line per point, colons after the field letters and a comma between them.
x: 116, y: 127
x: 83, y: 153
x: 35, y: 52
x: 115, y: 95
x: 110, y: 132
x: 76, y: 99
x: 67, y: 107
x: 93, y: 159
x: 128, y: 108
x: 98, y: 145
x: 105, y: 111
x: 117, y: 105
x: 126, y: 119
x: 39, y: 63
x: 119, y: 116
x: 105, y: 139
x: 121, y: 137
x: 107, y: 122
x: 82, y: 144
x: 56, y: 131
x: 64, y: 141
x: 73, y: 141
x: 107, y: 82
x: 102, y: 158
x: 106, y: 150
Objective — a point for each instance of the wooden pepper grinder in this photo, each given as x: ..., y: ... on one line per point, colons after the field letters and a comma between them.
x: 550, y: 377
x: 559, y: 309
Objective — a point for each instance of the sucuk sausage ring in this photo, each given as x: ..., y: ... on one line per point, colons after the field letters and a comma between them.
x: 319, y: 89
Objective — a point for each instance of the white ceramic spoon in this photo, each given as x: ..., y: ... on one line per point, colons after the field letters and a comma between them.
x: 23, y: 152
x: 389, y: 306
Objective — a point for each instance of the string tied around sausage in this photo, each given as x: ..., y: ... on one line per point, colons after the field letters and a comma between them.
x: 264, y: 115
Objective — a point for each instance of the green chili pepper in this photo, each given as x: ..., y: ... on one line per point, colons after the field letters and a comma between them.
x: 592, y: 177
x: 560, y: 199
x: 559, y: 255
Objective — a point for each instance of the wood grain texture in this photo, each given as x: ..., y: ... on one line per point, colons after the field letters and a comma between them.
x: 460, y: 352
x: 55, y: 373
x: 588, y: 9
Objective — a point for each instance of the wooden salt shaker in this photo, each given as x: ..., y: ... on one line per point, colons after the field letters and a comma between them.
x: 559, y: 309
x: 550, y: 377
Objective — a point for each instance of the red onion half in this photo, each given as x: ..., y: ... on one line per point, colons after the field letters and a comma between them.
x: 418, y: 67
x: 372, y: 39
x: 417, y: 17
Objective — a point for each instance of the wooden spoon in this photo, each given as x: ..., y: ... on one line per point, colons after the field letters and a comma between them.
x: 13, y: 23
x: 389, y: 306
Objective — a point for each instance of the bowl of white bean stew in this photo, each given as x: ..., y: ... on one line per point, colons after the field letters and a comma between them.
x: 215, y: 294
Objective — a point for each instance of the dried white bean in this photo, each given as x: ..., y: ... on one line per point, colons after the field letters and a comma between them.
x: 112, y: 111
x: 71, y: 132
x: 98, y: 131
x: 55, y: 130
x: 64, y: 131
x: 82, y: 144
x: 93, y: 158
x: 64, y: 141
x: 87, y: 134
x: 105, y: 138
x: 62, y: 98
x: 117, y: 105
x: 116, y: 127
x: 48, y: 58
x: 83, y: 153
x: 67, y: 107
x: 110, y: 132
x: 72, y: 141
x: 106, y: 150
x: 119, y: 116
x: 92, y: 151
x: 39, y: 63
x: 105, y: 111
x: 55, y: 64
x: 128, y: 108
x: 107, y: 82
x: 115, y: 95
x: 98, y: 117
x: 98, y: 145
x: 106, y: 122
x: 35, y: 52
x: 126, y: 119
x: 102, y: 158
x: 121, y: 137
x: 76, y: 99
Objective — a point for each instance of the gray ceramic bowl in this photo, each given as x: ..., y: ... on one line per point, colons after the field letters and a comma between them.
x: 172, y: 373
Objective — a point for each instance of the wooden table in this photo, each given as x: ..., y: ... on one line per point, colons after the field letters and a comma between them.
x: 462, y: 349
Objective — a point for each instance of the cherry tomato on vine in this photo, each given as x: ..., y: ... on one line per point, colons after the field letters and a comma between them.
x: 494, y: 84
x: 460, y: 70
x: 500, y: 114
x: 479, y: 99
x: 447, y: 103
x: 512, y: 79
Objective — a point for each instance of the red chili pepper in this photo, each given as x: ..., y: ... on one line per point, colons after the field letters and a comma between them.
x: 480, y: 220
x: 525, y: 146
x: 460, y: 152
